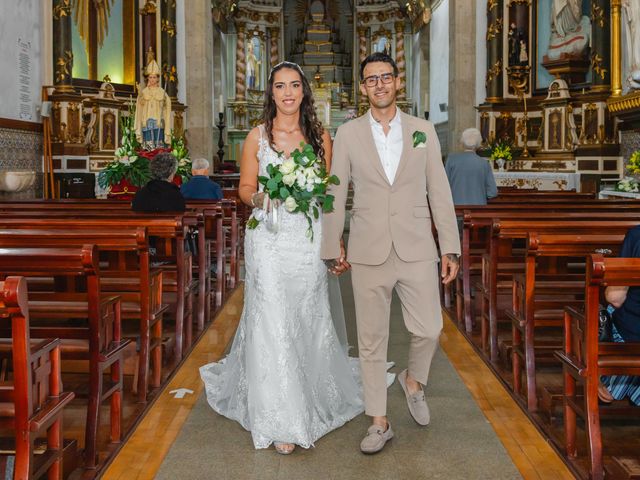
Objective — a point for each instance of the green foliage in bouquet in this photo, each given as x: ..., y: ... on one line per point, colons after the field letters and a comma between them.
x: 181, y: 152
x: 301, y: 183
x: 502, y: 149
x: 127, y: 164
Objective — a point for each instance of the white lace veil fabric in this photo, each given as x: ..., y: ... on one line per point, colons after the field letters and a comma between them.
x: 337, y: 311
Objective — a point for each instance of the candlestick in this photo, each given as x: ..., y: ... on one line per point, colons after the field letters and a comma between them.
x: 221, y: 104
x: 220, y: 126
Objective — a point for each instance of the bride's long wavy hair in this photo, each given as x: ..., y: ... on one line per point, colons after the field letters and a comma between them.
x: 310, y: 126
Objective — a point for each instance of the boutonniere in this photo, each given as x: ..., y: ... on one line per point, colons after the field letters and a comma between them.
x: 419, y: 139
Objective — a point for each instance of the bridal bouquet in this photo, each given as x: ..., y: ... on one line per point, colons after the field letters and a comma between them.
x: 300, y: 183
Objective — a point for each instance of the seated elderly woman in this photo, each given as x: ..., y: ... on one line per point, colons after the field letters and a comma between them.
x: 159, y: 194
x: 470, y: 176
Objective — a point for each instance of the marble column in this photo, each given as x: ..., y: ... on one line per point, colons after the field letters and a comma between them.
x: 168, y: 39
x: 400, y: 61
x: 495, y: 25
x: 462, y: 69
x: 241, y: 63
x: 62, y: 46
x: 149, y: 45
x: 198, y: 81
x: 600, y: 45
x: 274, y: 38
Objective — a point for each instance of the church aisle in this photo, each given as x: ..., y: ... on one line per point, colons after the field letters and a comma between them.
x: 459, y: 443
x: 145, y: 449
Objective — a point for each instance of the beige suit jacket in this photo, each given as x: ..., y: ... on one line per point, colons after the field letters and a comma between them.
x: 384, y: 214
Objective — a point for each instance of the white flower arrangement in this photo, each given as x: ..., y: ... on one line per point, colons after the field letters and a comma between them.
x: 628, y: 184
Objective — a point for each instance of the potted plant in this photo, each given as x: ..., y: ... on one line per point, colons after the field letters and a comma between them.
x: 129, y: 171
x: 501, y: 152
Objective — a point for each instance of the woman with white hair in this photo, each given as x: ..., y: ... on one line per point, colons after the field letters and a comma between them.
x: 470, y: 176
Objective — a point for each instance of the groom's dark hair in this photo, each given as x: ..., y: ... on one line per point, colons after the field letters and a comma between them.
x: 378, y: 57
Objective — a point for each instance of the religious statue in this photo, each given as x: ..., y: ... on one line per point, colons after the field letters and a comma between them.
x: 513, y: 44
x: 253, y: 68
x: 153, y: 111
x: 631, y: 9
x: 524, y: 56
x: 570, y: 30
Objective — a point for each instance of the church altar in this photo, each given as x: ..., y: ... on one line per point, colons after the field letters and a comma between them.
x: 539, y: 180
x: 612, y: 194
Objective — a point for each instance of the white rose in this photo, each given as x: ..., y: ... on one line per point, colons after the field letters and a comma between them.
x: 290, y: 204
x: 310, y: 172
x: 289, y: 179
x: 301, y: 180
x: 317, y: 180
x: 310, y: 187
x: 287, y: 166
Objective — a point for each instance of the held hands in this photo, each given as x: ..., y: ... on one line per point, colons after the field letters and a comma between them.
x: 338, y: 266
x: 449, y: 267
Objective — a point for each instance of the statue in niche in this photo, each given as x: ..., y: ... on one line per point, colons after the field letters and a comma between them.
x: 382, y: 44
x: 253, y: 64
x: 518, y: 53
x: 631, y: 9
x: 524, y: 56
x: 153, y: 111
x: 513, y: 44
x: 570, y: 31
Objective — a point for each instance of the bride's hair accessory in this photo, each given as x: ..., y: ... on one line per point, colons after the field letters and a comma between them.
x: 286, y: 64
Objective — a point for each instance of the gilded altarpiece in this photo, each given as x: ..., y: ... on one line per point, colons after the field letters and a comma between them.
x: 327, y: 38
x: 548, y: 81
x: 86, y: 111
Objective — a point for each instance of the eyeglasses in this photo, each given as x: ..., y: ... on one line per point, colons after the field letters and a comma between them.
x: 372, y: 80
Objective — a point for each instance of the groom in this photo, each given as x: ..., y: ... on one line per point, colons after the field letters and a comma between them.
x: 400, y: 187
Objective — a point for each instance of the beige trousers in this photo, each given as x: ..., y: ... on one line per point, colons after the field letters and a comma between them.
x: 416, y: 284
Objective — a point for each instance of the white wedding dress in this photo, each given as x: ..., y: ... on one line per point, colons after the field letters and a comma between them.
x: 287, y: 377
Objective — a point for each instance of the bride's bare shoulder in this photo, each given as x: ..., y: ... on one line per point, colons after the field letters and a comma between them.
x: 255, y: 134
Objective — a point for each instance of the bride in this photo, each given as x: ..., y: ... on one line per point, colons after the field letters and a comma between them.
x: 287, y: 378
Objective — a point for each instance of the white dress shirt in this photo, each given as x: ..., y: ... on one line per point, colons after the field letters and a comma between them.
x: 389, y: 146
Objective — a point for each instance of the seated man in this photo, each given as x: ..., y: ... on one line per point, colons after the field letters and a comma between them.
x: 200, y: 187
x: 159, y: 194
x: 625, y: 328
